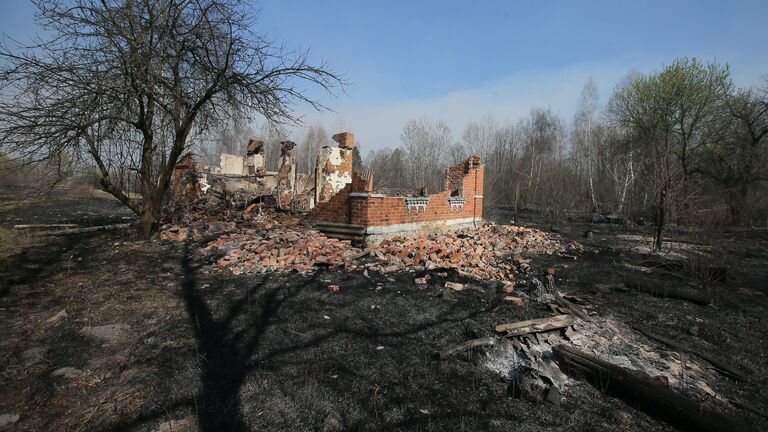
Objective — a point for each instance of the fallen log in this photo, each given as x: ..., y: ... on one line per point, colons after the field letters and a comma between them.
x: 466, y: 346
x: 719, y: 365
x: 668, y: 292
x: 535, y: 325
x: 87, y: 229
x: 718, y: 273
x: 654, y: 398
x: 43, y: 226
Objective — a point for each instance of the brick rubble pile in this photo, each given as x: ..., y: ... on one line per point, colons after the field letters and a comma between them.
x: 272, y: 242
x: 490, y: 252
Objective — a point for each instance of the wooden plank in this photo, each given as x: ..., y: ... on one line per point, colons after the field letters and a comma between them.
x: 87, y: 229
x: 535, y: 325
x: 639, y: 388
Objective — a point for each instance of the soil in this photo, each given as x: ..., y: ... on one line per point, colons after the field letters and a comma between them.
x: 187, y: 346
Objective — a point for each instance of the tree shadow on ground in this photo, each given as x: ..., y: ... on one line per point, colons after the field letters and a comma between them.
x: 230, y: 343
x: 39, y: 261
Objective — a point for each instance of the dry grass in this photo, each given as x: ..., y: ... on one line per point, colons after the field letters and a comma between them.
x: 12, y: 241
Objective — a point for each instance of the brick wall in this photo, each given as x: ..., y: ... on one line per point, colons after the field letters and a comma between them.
x: 366, y: 208
x: 335, y: 210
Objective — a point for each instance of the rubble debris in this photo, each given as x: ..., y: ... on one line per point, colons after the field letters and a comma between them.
x: 642, y: 388
x: 467, y: 346
x: 535, y: 325
x: 278, y: 241
x: 454, y: 286
x: 481, y: 253
x: 528, y: 365
x: 280, y: 248
x: 333, y: 288
x: 519, y: 301
x: 237, y: 174
x: 422, y: 280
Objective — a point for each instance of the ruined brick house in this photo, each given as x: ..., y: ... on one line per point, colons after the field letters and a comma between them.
x: 361, y: 213
x: 344, y: 204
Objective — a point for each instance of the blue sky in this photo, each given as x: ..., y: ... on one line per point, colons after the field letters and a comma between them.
x: 462, y: 61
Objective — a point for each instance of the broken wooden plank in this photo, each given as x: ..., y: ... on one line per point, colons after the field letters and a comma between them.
x: 535, y: 325
x: 580, y: 300
x: 572, y: 308
x: 719, y: 365
x: 466, y: 346
x: 87, y: 229
x: 654, y: 398
x: 360, y: 255
x: 668, y: 292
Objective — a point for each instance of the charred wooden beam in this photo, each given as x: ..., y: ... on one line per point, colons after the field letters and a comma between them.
x: 652, y: 397
x: 466, y: 346
x: 535, y: 325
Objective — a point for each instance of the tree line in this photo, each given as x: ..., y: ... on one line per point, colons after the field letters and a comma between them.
x: 680, y: 144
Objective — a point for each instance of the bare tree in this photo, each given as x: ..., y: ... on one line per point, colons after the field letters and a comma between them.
x: 583, y: 139
x: 231, y: 136
x: 306, y: 155
x: 125, y: 83
x: 479, y: 137
x: 425, y: 142
x: 543, y: 138
x: 388, y: 168
x: 738, y: 158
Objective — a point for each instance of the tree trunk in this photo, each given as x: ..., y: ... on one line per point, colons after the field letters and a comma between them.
x: 738, y: 204
x: 660, y: 218
x: 149, y: 217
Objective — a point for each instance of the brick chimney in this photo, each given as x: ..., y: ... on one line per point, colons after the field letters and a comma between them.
x: 346, y: 140
x: 255, y: 147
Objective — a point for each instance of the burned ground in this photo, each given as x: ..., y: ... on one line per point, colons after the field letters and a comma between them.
x: 160, y: 338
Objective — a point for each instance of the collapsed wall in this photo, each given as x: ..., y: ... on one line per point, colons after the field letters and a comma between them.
x: 358, y: 212
x: 243, y: 176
